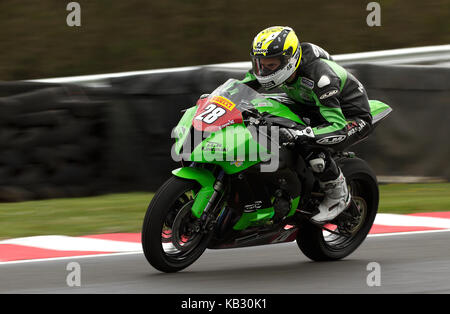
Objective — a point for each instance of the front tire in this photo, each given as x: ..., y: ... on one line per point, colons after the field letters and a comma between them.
x: 350, y: 227
x: 170, y: 239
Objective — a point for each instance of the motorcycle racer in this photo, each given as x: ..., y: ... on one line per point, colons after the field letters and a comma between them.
x: 333, y: 101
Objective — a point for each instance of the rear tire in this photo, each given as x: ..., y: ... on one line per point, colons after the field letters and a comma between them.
x: 167, y: 245
x: 320, y: 245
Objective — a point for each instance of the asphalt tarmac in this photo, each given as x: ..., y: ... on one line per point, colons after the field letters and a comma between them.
x: 400, y: 263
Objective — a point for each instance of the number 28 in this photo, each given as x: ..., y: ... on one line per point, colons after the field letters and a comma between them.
x: 211, y: 114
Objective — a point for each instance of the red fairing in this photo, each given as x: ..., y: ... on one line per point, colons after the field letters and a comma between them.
x: 215, y: 113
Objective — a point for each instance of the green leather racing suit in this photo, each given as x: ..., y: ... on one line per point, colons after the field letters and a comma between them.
x: 328, y: 96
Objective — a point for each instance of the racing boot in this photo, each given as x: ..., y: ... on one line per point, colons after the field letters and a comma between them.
x: 337, y: 199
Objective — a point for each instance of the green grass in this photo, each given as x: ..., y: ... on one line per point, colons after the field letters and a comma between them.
x: 74, y: 216
x: 414, y: 198
x: 125, y: 212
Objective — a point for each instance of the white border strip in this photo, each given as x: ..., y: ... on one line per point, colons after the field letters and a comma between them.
x: 397, y: 220
x: 393, y: 56
x: 68, y: 243
x: 441, y: 52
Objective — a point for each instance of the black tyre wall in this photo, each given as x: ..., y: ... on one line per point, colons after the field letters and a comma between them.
x: 45, y: 148
x: 57, y: 137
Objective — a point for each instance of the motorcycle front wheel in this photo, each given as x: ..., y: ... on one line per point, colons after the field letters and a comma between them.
x: 171, y: 236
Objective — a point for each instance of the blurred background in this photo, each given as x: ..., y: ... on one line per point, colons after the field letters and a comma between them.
x: 118, y: 36
x: 65, y: 140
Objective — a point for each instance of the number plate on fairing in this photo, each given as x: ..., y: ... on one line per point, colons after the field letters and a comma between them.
x: 215, y: 113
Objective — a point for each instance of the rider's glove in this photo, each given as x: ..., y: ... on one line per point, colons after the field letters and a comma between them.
x: 291, y: 137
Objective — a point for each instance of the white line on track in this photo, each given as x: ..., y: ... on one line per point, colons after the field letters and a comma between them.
x: 68, y: 258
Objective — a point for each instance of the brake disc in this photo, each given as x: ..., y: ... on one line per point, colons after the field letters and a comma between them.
x: 184, y: 237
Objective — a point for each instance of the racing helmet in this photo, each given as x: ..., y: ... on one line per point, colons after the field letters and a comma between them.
x: 275, y: 54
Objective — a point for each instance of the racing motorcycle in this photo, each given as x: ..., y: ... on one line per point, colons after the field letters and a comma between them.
x: 239, y: 187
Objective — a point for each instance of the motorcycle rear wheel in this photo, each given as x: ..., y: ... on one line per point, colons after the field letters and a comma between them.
x: 350, y: 227
x: 171, y: 239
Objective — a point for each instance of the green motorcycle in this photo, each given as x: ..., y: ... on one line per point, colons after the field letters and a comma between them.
x: 238, y: 187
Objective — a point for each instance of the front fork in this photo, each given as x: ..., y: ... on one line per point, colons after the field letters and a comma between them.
x: 208, y: 198
x: 210, y: 213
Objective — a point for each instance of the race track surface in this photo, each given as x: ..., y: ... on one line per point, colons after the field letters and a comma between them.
x: 409, y: 263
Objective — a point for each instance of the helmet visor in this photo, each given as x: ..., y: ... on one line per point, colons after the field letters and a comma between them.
x: 265, y: 66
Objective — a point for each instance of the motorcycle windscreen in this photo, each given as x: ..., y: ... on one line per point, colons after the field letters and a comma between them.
x: 223, y: 107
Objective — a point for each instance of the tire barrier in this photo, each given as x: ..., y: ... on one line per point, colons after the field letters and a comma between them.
x: 51, y: 143
x: 64, y: 140
x: 413, y: 140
